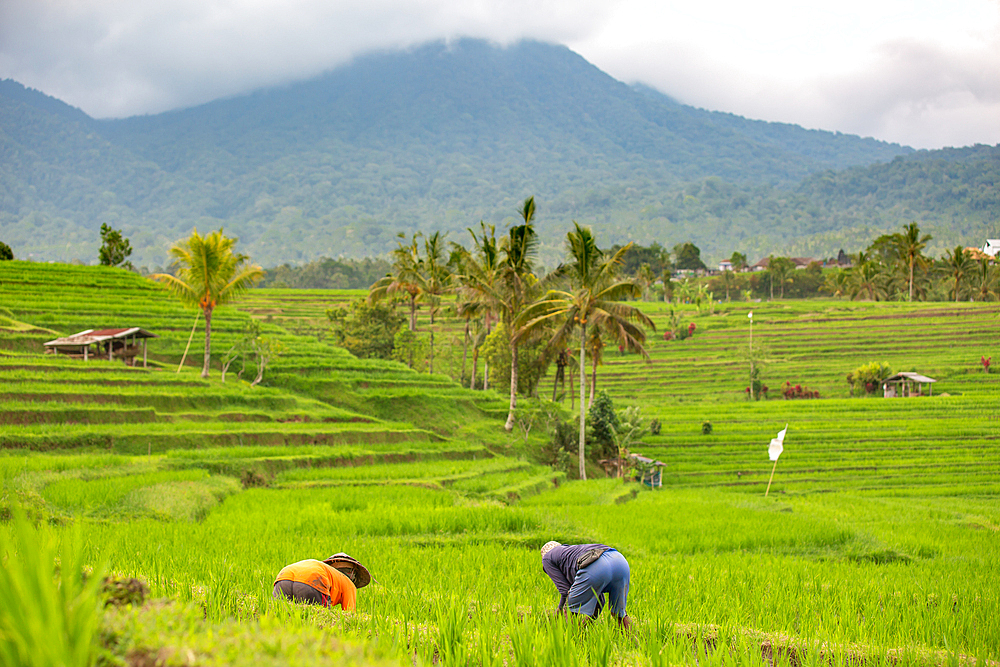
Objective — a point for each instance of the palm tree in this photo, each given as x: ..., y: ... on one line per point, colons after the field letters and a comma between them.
x: 958, y: 266
x: 985, y: 280
x: 727, y: 281
x: 209, y: 274
x: 518, y: 250
x: 910, y: 244
x: 669, y: 286
x: 436, y: 280
x: 405, y: 278
x: 466, y: 311
x: 593, y: 299
x: 837, y: 282
x: 779, y: 268
x: 563, y: 358
x: 739, y: 261
x: 645, y: 279
x: 595, y: 347
x: 866, y: 277
x: 478, y: 281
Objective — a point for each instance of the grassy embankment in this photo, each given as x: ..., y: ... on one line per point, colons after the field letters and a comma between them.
x: 879, y: 542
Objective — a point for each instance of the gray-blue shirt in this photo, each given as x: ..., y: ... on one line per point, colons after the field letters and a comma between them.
x: 560, y: 565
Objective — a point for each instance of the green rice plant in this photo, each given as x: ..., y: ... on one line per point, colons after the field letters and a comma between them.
x: 105, y: 494
x: 49, y: 598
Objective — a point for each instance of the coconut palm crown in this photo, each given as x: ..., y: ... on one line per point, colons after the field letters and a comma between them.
x: 209, y: 275
x: 593, y: 300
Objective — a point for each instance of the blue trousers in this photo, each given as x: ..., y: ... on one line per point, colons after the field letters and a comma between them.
x: 608, y: 574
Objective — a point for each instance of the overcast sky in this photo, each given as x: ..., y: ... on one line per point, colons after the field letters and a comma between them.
x: 920, y: 72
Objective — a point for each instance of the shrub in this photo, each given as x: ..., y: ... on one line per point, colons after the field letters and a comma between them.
x: 654, y: 427
x: 602, y: 421
x: 985, y: 361
x: 867, y: 380
x: 798, y: 391
x: 562, y: 447
x: 367, y: 330
x: 759, y: 391
x: 409, y: 348
x: 691, y: 329
x: 706, y: 428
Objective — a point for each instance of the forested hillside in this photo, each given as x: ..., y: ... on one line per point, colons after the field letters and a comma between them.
x: 442, y: 136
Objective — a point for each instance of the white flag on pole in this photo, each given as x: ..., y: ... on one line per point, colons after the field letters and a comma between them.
x: 776, y: 447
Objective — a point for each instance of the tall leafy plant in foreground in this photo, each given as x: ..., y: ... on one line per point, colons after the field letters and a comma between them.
x: 49, y: 609
x: 209, y: 274
x: 593, y: 299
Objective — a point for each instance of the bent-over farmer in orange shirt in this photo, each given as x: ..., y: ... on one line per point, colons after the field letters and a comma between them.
x: 327, y: 582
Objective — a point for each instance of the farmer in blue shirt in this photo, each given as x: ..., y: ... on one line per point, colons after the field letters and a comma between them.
x: 583, y: 573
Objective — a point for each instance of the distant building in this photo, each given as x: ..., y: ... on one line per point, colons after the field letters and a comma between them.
x: 799, y: 262
x: 991, y: 247
x: 725, y: 265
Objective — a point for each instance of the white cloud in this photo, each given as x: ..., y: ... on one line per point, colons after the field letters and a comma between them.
x: 921, y: 72
x: 120, y: 57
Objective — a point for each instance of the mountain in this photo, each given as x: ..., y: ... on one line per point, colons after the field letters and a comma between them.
x: 437, y: 137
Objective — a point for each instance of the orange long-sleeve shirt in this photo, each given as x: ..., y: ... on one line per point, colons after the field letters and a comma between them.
x: 327, y: 580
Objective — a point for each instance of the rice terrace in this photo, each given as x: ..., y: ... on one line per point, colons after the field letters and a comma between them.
x: 148, y: 509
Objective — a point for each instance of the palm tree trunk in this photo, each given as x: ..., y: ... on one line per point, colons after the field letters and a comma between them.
x: 572, y: 394
x: 509, y: 426
x: 911, y: 279
x: 465, y: 350
x: 475, y: 358
x: 583, y: 413
x: 208, y: 341
x: 486, y: 364
x: 560, y: 370
x: 413, y: 325
x: 593, y: 382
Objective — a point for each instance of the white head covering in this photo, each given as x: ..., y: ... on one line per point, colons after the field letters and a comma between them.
x: 549, y: 546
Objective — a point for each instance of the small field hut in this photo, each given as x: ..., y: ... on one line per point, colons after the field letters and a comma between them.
x: 124, y: 344
x: 903, y: 385
x: 648, y: 471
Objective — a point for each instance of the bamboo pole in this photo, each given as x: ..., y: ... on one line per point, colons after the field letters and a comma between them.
x: 770, y: 478
x: 190, y: 338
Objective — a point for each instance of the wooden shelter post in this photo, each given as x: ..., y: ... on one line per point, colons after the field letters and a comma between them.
x: 144, y: 353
